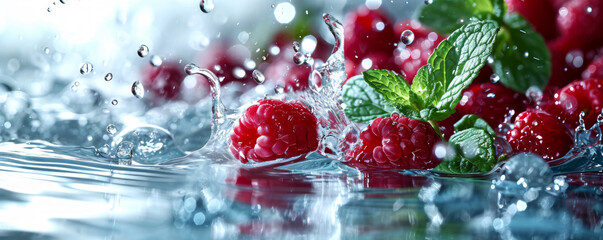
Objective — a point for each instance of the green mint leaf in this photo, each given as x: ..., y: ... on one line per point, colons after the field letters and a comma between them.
x: 443, y: 63
x: 392, y: 86
x: 409, y: 111
x: 475, y: 152
x: 521, y: 58
x: 473, y: 121
x: 499, y: 8
x: 423, y: 84
x: 363, y: 103
x: 473, y: 43
x: 445, y: 16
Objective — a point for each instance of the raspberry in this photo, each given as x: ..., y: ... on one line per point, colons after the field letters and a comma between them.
x: 580, y: 96
x: 287, y: 74
x: 582, y: 20
x: 272, y: 129
x: 227, y: 62
x: 491, y: 102
x: 594, y: 70
x: 395, y: 142
x: 164, y: 81
x: 372, y: 61
x: 540, y: 133
x: 540, y: 13
x: 567, y: 62
x: 413, y: 56
x: 368, y: 31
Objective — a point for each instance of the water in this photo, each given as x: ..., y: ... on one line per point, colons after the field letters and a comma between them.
x: 76, y: 161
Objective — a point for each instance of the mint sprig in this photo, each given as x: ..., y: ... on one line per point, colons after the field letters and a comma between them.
x: 437, y: 87
x: 473, y: 142
x: 520, y: 57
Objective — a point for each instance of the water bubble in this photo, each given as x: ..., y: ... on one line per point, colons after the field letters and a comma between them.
x: 114, y: 102
x: 111, y: 129
x: 494, y: 78
x: 206, y: 6
x: 156, y: 61
x: 86, y: 68
x: 407, y: 37
x: 258, y: 76
x: 143, y: 51
x: 534, y: 94
x: 109, y: 77
x: 124, y: 150
x: 149, y: 144
x: 526, y: 170
x: 299, y: 58
x: 138, y: 90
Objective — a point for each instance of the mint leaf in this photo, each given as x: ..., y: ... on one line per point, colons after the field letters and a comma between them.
x: 389, y: 84
x: 521, y: 58
x: 473, y: 121
x: 363, y: 103
x: 475, y: 152
x: 473, y: 43
x: 443, y: 63
x: 445, y: 16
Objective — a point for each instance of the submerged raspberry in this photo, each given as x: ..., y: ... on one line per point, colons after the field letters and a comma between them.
x: 272, y: 129
x: 540, y: 133
x: 395, y: 142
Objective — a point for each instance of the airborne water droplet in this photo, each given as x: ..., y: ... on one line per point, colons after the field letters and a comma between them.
x: 143, y: 50
x: 46, y: 50
x: 86, y: 68
x: 206, y: 6
x: 109, y: 77
x: 427, y: 2
x: 296, y: 46
x: 111, y: 129
x: 156, y: 61
x: 114, y: 102
x: 407, y: 37
x: 258, y: 76
x: 299, y: 58
x: 494, y: 78
x: 138, y: 90
x: 279, y: 89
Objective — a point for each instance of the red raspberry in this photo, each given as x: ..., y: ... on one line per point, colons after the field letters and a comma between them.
x: 540, y: 13
x: 567, y: 62
x: 227, y: 62
x: 395, y: 142
x: 413, y: 56
x: 594, y: 70
x: 447, y: 125
x: 272, y: 129
x: 287, y: 74
x: 540, y: 133
x: 580, y: 96
x: 582, y: 20
x: 372, y: 61
x: 164, y: 81
x: 491, y: 102
x: 368, y: 31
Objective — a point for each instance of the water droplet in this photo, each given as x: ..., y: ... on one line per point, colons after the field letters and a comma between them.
x: 86, y: 68
x: 206, y: 6
x: 46, y: 50
x: 407, y: 37
x: 299, y: 58
x: 49, y: 9
x: 534, y: 94
x: 114, y: 102
x: 279, y: 89
x: 258, y: 76
x: 272, y: 5
x: 138, y: 90
x: 109, y: 77
x: 143, y: 51
x: 111, y: 129
x: 494, y: 78
x: 284, y: 12
x: 63, y: 1
x: 296, y: 46
x: 589, y: 9
x: 124, y: 150
x: 156, y: 61
x: 427, y: 2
